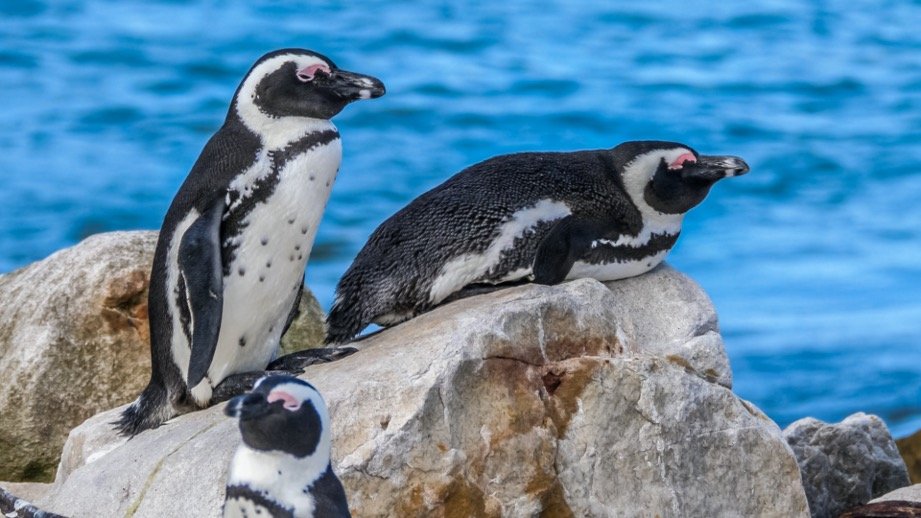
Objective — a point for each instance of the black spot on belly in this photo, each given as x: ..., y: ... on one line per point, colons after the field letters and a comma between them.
x: 312, y: 178
x: 291, y: 257
x: 242, y: 341
x: 304, y: 230
x: 265, y: 241
x: 259, y: 192
x: 297, y: 247
x: 299, y: 257
x: 291, y: 221
x: 268, y: 264
x: 261, y: 278
x: 241, y: 271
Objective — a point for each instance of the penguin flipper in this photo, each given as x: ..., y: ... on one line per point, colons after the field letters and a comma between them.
x: 200, y: 266
x: 559, y: 250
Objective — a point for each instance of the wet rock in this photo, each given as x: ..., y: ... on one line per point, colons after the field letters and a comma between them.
x: 845, y: 464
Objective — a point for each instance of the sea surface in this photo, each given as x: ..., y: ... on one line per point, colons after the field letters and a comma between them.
x: 812, y: 259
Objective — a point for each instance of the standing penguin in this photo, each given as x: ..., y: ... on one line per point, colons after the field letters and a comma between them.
x: 542, y: 217
x: 229, y: 264
x: 283, y: 467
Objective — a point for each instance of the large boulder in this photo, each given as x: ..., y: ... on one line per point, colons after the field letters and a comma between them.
x: 845, y: 464
x: 536, y: 400
x: 74, y: 340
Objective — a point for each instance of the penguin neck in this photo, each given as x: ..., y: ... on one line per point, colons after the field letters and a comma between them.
x: 635, y: 182
x: 276, y: 132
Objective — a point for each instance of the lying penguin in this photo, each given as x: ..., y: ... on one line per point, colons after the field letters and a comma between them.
x: 282, y: 468
x: 229, y: 265
x: 543, y: 217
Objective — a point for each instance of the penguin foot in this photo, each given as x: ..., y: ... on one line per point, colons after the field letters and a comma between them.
x: 291, y: 364
x: 296, y: 362
x: 235, y: 385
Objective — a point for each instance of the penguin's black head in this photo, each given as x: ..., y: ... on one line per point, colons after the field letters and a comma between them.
x: 285, y: 414
x: 668, y: 177
x: 300, y: 83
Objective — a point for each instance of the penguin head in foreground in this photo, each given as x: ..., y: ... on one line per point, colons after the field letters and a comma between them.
x: 283, y: 414
x: 671, y: 178
x: 300, y: 83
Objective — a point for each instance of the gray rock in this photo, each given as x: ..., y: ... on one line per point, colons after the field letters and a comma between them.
x: 74, y: 340
x: 906, y: 494
x: 846, y: 464
x: 529, y: 401
x: 675, y: 319
x: 30, y: 491
x: 308, y: 329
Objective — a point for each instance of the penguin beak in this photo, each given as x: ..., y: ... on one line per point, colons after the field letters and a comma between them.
x: 352, y: 86
x: 712, y: 168
x: 247, y: 406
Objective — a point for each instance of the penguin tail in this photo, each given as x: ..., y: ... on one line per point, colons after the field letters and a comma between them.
x: 151, y: 409
x: 345, y: 321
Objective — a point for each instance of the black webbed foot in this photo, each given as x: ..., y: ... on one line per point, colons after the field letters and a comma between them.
x: 296, y: 362
x: 235, y: 385
x: 292, y: 364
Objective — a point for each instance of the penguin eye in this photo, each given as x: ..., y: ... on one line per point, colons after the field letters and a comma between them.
x: 678, y: 163
x: 306, y: 74
x: 290, y: 402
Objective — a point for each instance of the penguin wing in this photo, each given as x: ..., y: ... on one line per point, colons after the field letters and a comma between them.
x: 200, y: 266
x: 569, y: 239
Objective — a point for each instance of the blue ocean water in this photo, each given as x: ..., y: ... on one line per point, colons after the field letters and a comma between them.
x: 812, y: 259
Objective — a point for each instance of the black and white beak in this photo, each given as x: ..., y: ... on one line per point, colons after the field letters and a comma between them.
x: 712, y: 168
x: 248, y: 406
x: 349, y: 85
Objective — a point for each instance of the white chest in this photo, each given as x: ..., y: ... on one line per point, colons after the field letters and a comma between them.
x: 615, y: 268
x: 275, y: 207
x: 282, y: 478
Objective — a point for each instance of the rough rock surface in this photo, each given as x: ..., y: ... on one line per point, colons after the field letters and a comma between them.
x: 308, y: 329
x: 74, y: 341
x: 531, y: 401
x: 907, y: 493
x: 845, y: 464
x: 910, y: 449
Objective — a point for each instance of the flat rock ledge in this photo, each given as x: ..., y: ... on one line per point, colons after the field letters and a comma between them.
x: 572, y: 400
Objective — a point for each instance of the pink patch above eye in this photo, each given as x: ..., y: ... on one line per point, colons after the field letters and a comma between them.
x: 679, y: 162
x: 290, y: 402
x: 307, y: 73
